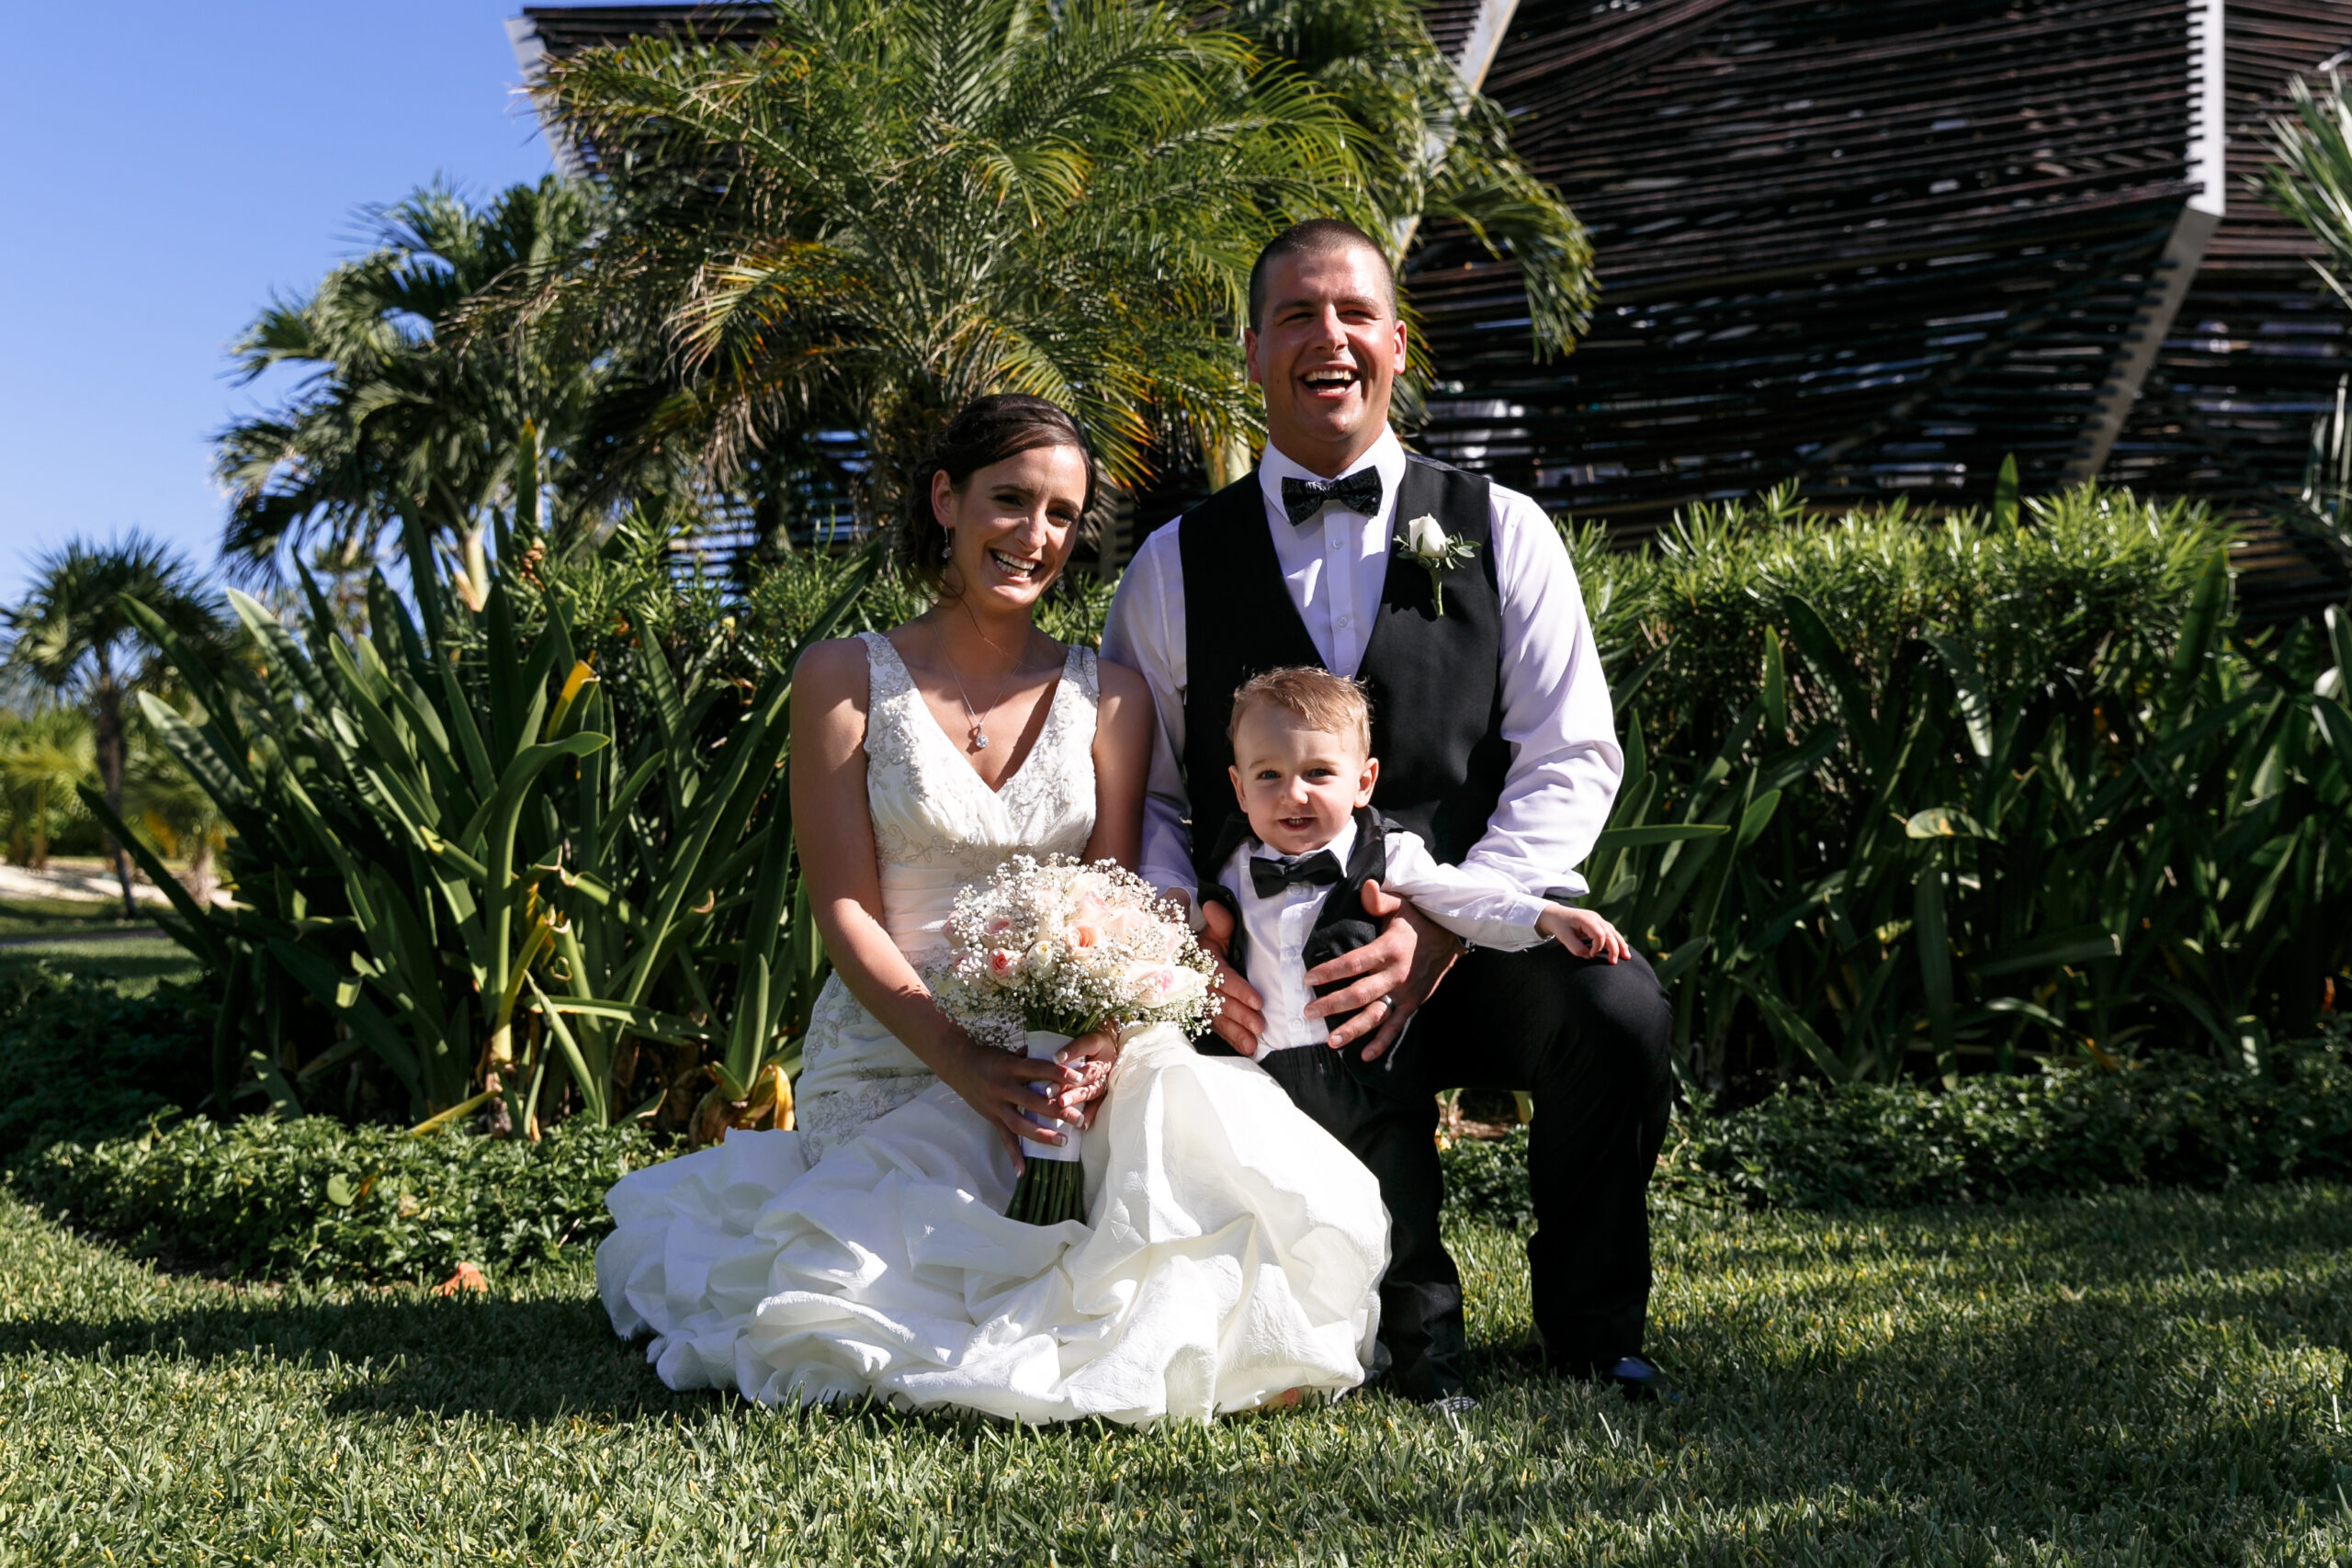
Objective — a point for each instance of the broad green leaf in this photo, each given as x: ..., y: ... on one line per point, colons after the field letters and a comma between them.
x: 2051, y: 950
x: 1934, y: 964
x: 1968, y: 681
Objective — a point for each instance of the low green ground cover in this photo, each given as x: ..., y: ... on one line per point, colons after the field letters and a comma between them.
x: 318, y: 1199
x: 2139, y: 1377
x: 313, y: 1198
x: 2170, y: 1119
x: 83, y: 1056
x: 135, y: 960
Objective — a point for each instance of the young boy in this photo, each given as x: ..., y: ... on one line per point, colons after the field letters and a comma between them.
x: 1303, y: 774
x: 1293, y: 869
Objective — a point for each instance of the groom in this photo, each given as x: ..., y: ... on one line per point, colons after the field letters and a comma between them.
x: 1492, y: 722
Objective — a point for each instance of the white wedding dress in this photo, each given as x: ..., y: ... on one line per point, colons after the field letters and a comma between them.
x: 1232, y: 1249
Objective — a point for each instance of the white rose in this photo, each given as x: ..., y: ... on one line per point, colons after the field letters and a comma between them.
x: 1426, y: 538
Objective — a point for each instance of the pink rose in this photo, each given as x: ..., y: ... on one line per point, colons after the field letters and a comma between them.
x: 1004, y: 966
x: 1163, y: 985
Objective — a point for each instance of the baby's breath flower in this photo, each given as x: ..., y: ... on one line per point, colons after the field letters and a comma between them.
x: 1068, y: 947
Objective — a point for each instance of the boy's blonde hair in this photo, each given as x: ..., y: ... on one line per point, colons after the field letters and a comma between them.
x: 1329, y: 704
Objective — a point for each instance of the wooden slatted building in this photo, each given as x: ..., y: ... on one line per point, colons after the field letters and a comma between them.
x: 1869, y: 247
x: 1872, y: 246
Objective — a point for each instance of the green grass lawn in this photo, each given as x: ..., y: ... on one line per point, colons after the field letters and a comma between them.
x: 62, y: 917
x: 2142, y: 1378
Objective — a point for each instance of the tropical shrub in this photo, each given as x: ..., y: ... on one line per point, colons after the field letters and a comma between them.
x: 1991, y: 786
x: 468, y: 853
x: 314, y: 1198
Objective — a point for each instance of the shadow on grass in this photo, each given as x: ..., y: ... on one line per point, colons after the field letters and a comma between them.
x: 2077, y: 1371
x: 520, y: 1359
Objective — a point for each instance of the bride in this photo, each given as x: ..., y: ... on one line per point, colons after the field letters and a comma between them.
x: 1232, y: 1248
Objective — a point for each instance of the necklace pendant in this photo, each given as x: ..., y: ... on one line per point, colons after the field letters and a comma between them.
x: 979, y: 738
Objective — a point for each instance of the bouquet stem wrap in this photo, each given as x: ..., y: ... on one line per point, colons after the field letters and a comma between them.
x: 1053, y: 1186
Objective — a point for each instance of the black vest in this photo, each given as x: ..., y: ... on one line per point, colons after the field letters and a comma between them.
x: 1435, y: 681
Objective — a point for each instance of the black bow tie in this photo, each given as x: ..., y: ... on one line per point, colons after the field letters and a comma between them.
x: 1359, y: 492
x: 1270, y: 877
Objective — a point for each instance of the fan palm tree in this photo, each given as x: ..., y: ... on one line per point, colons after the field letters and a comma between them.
x: 404, y: 408
x: 886, y: 206
x: 72, y: 638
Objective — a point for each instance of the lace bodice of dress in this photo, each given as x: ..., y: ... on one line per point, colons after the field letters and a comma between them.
x: 937, y: 830
x: 937, y: 827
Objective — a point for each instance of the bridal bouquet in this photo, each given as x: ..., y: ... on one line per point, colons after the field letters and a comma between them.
x: 1065, y: 948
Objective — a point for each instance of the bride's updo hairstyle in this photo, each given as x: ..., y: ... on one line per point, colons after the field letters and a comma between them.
x: 984, y: 431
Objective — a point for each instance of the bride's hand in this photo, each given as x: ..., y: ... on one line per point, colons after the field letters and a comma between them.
x: 997, y: 1084
x: 1092, y: 1056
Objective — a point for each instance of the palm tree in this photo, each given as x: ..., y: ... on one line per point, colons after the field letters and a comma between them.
x: 1434, y: 150
x: 44, y: 756
x: 72, y: 638
x: 405, y: 407
x: 2310, y: 182
x: 886, y: 206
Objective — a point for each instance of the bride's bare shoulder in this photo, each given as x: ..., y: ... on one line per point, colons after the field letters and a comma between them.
x: 1119, y: 684
x: 831, y: 670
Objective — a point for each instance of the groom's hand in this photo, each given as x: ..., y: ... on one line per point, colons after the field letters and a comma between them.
x: 1243, y: 1018
x: 1404, y: 964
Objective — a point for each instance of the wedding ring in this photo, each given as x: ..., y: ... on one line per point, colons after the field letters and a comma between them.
x: 1388, y: 1002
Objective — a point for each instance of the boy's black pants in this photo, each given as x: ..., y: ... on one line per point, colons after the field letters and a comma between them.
x: 1589, y: 1039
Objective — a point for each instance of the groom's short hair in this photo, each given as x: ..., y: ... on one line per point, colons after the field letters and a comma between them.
x: 1315, y: 237
x: 1325, y: 702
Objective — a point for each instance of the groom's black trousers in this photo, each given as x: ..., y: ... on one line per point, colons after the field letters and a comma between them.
x: 1589, y: 1039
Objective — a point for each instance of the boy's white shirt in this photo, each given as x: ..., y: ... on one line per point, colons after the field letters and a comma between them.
x: 1275, y: 930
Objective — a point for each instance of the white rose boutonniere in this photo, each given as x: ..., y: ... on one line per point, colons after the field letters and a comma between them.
x: 1426, y: 546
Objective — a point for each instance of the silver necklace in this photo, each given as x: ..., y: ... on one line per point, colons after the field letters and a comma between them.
x: 977, y: 734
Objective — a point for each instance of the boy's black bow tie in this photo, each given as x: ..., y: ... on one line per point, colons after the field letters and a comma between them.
x: 1359, y: 492
x: 1270, y: 877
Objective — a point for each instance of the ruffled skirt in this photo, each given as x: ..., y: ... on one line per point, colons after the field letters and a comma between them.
x: 1233, y: 1251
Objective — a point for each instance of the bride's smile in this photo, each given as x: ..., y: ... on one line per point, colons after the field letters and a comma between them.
x: 1010, y: 528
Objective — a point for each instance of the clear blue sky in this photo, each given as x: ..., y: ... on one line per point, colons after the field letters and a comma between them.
x: 171, y: 165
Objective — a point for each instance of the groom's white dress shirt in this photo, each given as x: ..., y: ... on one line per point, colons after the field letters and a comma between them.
x: 1276, y: 928
x: 1564, y: 759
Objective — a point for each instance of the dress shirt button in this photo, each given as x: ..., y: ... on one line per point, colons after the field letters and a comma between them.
x: 1344, y: 620
x: 1335, y: 544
